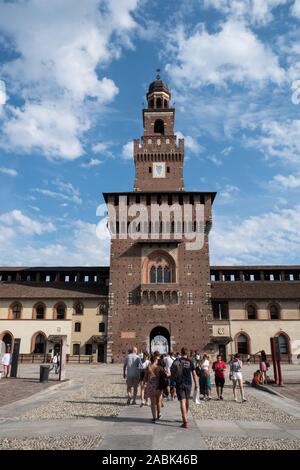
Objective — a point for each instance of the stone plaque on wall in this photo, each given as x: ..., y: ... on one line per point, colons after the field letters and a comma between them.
x: 128, y: 334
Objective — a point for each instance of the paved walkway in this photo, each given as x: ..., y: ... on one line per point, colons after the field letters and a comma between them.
x: 134, y: 429
x: 12, y: 390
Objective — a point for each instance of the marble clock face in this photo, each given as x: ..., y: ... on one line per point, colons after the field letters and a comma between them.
x: 159, y: 170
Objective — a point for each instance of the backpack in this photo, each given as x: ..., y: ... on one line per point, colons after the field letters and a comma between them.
x: 177, y: 371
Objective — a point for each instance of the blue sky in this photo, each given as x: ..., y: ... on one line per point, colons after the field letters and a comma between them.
x: 73, y: 78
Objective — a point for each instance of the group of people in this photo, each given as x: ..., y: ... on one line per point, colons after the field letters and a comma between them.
x: 7, y: 359
x: 169, y: 375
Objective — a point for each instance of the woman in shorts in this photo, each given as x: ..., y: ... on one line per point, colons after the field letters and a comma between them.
x: 236, y: 376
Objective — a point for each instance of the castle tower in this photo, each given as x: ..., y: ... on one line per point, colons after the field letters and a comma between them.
x: 159, y: 293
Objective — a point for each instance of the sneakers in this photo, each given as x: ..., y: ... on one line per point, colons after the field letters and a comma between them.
x: 244, y: 399
x: 184, y: 425
x: 134, y: 402
x: 235, y: 399
x: 142, y: 403
x: 128, y: 401
x: 147, y: 403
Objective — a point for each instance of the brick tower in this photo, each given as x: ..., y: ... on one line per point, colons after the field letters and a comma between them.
x: 159, y: 293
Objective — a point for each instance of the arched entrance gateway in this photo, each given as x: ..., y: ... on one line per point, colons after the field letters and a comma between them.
x: 160, y: 340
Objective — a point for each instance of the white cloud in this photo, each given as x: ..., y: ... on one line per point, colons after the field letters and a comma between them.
x: 78, y: 245
x: 66, y: 192
x: 255, y: 11
x: 49, y: 127
x: 279, y: 139
x: 8, y: 171
x: 3, y: 96
x: 227, y: 195
x: 287, y: 182
x: 189, y: 142
x: 127, y: 151
x: 60, y: 47
x: 24, y: 224
x: 232, y: 54
x: 213, y: 159
x: 91, y: 163
x: 295, y: 10
x: 269, y: 238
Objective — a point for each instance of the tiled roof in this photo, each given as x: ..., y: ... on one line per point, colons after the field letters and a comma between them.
x: 255, y: 290
x: 9, y: 290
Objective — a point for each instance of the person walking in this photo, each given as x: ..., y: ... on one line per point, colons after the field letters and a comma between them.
x: 6, y: 362
x: 131, y: 372
x: 168, y: 361
x: 236, y: 376
x: 145, y: 364
x: 219, y: 367
x: 182, y: 371
x: 154, y: 377
x: 55, y: 363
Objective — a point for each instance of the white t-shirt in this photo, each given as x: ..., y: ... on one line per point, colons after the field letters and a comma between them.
x: 205, y: 364
x: 146, y: 364
x: 6, y: 359
x: 168, y: 361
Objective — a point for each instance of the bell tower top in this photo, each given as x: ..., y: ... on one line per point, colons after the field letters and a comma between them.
x: 158, y: 157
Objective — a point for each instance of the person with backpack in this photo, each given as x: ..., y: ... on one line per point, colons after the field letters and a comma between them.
x: 182, y: 371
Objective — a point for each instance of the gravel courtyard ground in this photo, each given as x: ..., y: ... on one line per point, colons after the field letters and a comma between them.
x: 90, y: 412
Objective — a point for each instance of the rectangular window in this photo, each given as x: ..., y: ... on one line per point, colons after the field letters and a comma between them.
x: 67, y: 278
x: 168, y: 169
x: 77, y: 327
x: 101, y: 327
x: 220, y: 310
x: 190, y: 298
x: 86, y: 278
x: 150, y: 169
x: 76, y: 349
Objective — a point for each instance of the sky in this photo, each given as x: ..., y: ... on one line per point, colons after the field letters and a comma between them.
x: 73, y: 80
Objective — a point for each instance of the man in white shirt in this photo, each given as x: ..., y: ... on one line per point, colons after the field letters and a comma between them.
x: 131, y: 372
x: 168, y: 361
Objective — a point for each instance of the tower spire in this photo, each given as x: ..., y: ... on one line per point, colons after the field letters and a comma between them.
x: 157, y: 74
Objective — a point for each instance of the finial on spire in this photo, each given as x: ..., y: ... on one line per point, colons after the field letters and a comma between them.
x: 158, y: 74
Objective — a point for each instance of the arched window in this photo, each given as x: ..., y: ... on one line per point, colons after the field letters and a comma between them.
x: 103, y: 308
x: 16, y: 311
x: 158, y: 102
x: 274, y: 312
x: 40, y: 312
x: 160, y: 298
x: 60, y: 312
x: 165, y: 103
x: 159, y: 268
x: 159, y: 127
x: 79, y: 308
x: 283, y: 344
x: 251, y: 312
x: 242, y: 344
x: 151, y: 103
x: 174, y: 298
x: 102, y: 327
x: 7, y: 340
x: 40, y: 344
x: 77, y: 327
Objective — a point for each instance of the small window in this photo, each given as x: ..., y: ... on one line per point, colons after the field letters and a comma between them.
x: 16, y: 311
x: 251, y: 312
x: 88, y: 349
x: 168, y: 169
x: 283, y: 344
x: 102, y: 327
x: 76, y: 349
x: 77, y: 327
x: 242, y: 344
x: 67, y: 278
x: 103, y: 308
x: 129, y: 299
x: 274, y: 312
x: 40, y: 312
x: 60, y: 312
x: 150, y: 169
x: 159, y: 127
x: 79, y: 309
